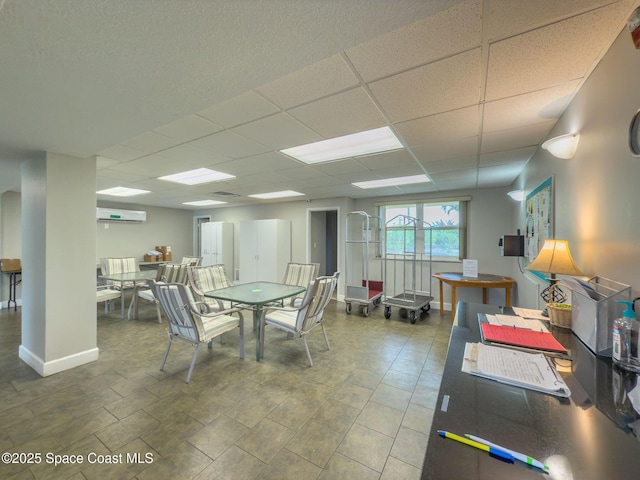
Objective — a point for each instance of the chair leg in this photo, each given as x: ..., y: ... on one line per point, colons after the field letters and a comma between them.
x: 241, y: 338
x: 193, y: 362
x: 166, y: 353
x: 326, y: 340
x: 306, y: 346
x: 159, y: 312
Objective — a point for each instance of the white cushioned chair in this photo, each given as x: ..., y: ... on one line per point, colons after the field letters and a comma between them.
x: 167, y: 273
x: 300, y: 274
x: 205, y: 279
x: 303, y: 319
x: 187, y: 324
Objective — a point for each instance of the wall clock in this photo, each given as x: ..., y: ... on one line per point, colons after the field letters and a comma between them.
x: 634, y: 135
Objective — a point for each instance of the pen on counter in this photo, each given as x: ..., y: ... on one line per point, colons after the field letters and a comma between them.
x: 497, y: 452
x: 518, y: 456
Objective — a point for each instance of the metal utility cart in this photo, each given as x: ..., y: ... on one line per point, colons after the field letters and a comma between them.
x: 362, y: 261
x: 405, y: 267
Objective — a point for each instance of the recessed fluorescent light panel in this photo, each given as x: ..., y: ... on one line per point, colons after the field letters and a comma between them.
x: 122, y: 191
x: 377, y: 140
x: 204, y: 203
x: 197, y: 176
x: 392, y: 182
x: 282, y: 194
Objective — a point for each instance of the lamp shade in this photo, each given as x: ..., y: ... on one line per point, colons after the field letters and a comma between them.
x: 564, y: 146
x: 555, y: 257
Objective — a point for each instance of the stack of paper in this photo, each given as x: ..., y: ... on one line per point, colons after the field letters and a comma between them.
x: 521, y: 337
x: 513, y: 367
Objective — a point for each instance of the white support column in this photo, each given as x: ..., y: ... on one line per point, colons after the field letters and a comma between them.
x: 58, y: 263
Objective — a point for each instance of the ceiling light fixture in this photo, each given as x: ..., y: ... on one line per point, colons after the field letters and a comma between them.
x: 357, y: 144
x: 204, y: 203
x: 564, y: 146
x: 517, y: 195
x: 282, y: 194
x: 392, y: 182
x: 197, y: 176
x: 122, y: 191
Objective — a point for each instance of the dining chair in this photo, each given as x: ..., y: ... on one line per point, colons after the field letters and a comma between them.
x: 167, y: 273
x: 107, y: 294
x: 205, y: 279
x: 192, y: 261
x: 300, y: 274
x: 110, y: 265
x: 186, y: 323
x: 306, y: 317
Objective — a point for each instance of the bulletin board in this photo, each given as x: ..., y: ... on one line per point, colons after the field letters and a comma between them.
x: 538, y: 221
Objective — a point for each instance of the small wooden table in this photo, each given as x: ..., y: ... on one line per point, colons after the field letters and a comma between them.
x: 483, y: 280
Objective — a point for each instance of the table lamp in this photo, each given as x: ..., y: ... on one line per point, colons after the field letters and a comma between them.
x: 554, y: 258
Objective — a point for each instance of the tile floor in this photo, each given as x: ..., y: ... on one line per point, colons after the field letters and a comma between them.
x: 362, y: 412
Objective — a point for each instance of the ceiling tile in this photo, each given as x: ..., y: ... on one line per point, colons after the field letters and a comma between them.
x: 446, y: 33
x: 241, y: 109
x: 186, y: 153
x: 397, y: 158
x: 104, y: 162
x: 513, y: 138
x: 300, y: 173
x: 151, y: 165
x: 340, y: 167
x: 507, y: 17
x: 529, y: 108
x: 150, y: 142
x: 121, y: 152
x: 230, y: 144
x: 548, y: 56
x: 498, y: 176
x: 323, y: 78
x: 452, y: 164
x: 438, y: 87
x: 520, y: 155
x: 463, y: 147
x: 441, y: 127
x: 267, y: 162
x: 341, y: 114
x: 188, y: 128
x: 277, y: 131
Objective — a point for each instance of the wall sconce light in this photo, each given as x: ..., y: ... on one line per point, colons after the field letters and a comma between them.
x: 517, y: 195
x: 564, y: 146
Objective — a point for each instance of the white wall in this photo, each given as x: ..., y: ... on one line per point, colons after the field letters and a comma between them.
x: 597, y: 199
x: 10, y: 237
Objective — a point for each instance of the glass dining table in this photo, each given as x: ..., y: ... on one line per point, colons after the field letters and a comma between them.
x: 129, y: 277
x: 254, y: 296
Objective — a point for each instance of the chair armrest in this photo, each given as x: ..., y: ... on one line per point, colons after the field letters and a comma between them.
x: 229, y: 311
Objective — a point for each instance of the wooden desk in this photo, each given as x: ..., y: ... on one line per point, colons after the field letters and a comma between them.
x: 483, y: 280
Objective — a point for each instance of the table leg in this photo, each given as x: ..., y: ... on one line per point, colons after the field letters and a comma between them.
x: 484, y: 295
x: 441, y: 300
x: 257, y: 313
x: 453, y: 302
x: 507, y: 299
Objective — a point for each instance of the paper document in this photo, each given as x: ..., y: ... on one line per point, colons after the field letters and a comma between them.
x: 521, y: 369
x: 470, y: 268
x: 516, y: 321
x: 529, y: 313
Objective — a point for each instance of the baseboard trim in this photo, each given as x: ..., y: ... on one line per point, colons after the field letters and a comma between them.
x: 44, y: 369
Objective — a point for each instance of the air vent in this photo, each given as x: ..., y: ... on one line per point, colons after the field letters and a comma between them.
x: 223, y: 194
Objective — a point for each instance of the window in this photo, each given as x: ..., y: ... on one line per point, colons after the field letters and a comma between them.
x: 445, y: 240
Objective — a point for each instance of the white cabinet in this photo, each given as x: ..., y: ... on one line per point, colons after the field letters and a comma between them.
x: 265, y: 250
x: 216, y: 245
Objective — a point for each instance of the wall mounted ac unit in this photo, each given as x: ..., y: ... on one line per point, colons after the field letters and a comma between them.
x: 117, y: 215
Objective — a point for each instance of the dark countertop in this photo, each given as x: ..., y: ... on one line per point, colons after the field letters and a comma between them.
x: 588, y: 436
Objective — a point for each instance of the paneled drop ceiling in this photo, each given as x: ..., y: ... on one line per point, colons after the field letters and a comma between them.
x: 472, y: 88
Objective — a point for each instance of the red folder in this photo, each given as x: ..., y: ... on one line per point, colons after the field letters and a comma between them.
x: 521, y: 337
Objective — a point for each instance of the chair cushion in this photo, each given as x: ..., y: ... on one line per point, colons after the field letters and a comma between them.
x: 282, y: 319
x: 105, y: 294
x: 214, y: 326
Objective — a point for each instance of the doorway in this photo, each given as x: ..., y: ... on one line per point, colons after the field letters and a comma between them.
x: 197, y: 239
x: 322, y: 225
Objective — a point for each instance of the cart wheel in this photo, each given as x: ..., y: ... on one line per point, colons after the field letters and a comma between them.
x: 377, y: 301
x: 427, y: 308
x: 348, y: 308
x: 412, y: 316
x: 365, y: 310
x: 387, y: 312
